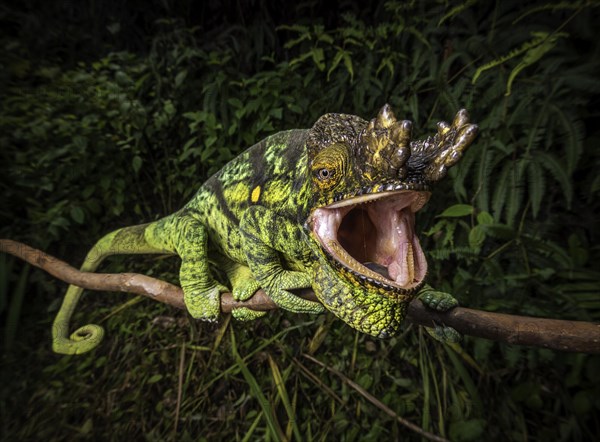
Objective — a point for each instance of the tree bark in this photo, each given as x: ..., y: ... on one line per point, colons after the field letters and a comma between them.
x: 572, y: 336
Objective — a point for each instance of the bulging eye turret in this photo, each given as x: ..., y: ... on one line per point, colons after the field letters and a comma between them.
x: 329, y: 165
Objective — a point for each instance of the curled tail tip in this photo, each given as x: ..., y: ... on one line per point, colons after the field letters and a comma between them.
x: 84, y: 339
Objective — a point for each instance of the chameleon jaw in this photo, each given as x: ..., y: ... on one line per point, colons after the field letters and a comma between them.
x: 372, y: 236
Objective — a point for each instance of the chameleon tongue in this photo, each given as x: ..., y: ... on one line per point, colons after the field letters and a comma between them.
x: 409, y: 260
x: 402, y: 270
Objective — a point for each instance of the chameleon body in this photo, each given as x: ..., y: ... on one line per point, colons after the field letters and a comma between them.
x: 331, y: 207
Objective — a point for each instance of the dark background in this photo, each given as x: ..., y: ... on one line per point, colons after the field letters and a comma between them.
x: 112, y: 114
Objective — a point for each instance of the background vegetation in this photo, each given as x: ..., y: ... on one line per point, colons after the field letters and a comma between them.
x: 112, y: 114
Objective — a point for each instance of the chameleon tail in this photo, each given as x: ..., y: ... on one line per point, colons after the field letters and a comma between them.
x: 128, y: 240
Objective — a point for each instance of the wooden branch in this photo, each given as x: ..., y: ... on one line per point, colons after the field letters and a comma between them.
x: 573, y: 336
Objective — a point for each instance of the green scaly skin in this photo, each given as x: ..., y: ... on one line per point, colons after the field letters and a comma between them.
x: 258, y: 218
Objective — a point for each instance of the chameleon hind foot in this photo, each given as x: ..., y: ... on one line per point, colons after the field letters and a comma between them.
x: 246, y: 314
x: 243, y: 286
x: 445, y: 334
x: 242, y: 291
x: 204, y: 304
x: 278, y: 290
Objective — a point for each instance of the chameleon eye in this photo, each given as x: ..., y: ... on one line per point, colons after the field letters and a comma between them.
x: 324, y: 174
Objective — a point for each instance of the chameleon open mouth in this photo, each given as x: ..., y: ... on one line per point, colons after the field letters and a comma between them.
x: 372, y: 236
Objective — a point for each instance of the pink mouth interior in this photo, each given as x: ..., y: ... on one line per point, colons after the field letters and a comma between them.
x: 374, y: 235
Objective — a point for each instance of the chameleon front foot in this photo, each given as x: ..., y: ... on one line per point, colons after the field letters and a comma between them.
x: 278, y: 290
x: 440, y: 301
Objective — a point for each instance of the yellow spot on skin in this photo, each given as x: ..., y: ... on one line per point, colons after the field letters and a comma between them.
x: 255, y: 194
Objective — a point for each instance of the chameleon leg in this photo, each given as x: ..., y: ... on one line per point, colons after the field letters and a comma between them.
x: 266, y: 235
x: 440, y: 301
x: 129, y: 240
x: 243, y: 286
x: 187, y: 237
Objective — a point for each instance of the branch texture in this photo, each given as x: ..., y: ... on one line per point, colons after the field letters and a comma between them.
x: 573, y: 336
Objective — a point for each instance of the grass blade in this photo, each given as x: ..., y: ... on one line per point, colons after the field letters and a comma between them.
x: 14, y: 310
x: 256, y: 391
x: 369, y: 397
x: 285, y: 399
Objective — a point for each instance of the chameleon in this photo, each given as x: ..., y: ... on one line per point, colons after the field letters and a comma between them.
x: 330, y: 208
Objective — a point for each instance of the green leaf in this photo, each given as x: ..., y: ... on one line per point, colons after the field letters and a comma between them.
x: 583, y: 402
x: 276, y: 113
x: 335, y: 63
x: 77, y: 214
x: 484, y: 218
x: 180, y: 78
x: 457, y: 210
x: 155, y: 378
x: 136, y: 163
x: 348, y: 65
x: 319, y: 58
x: 476, y: 237
x: 87, y: 427
x: 467, y: 430
x: 236, y: 102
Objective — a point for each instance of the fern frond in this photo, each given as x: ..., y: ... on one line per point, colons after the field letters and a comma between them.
x: 536, y: 186
x: 501, y: 187
x: 449, y: 99
x: 447, y: 252
x: 456, y: 10
x: 537, y: 133
x: 512, y: 54
x: 484, y: 169
x: 534, y: 49
x: 532, y: 55
x: 558, y: 172
x: 573, y: 131
x: 461, y: 173
x: 522, y: 112
x: 554, y: 7
x: 515, y: 195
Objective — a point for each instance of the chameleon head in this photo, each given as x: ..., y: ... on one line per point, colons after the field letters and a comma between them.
x: 368, y: 181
